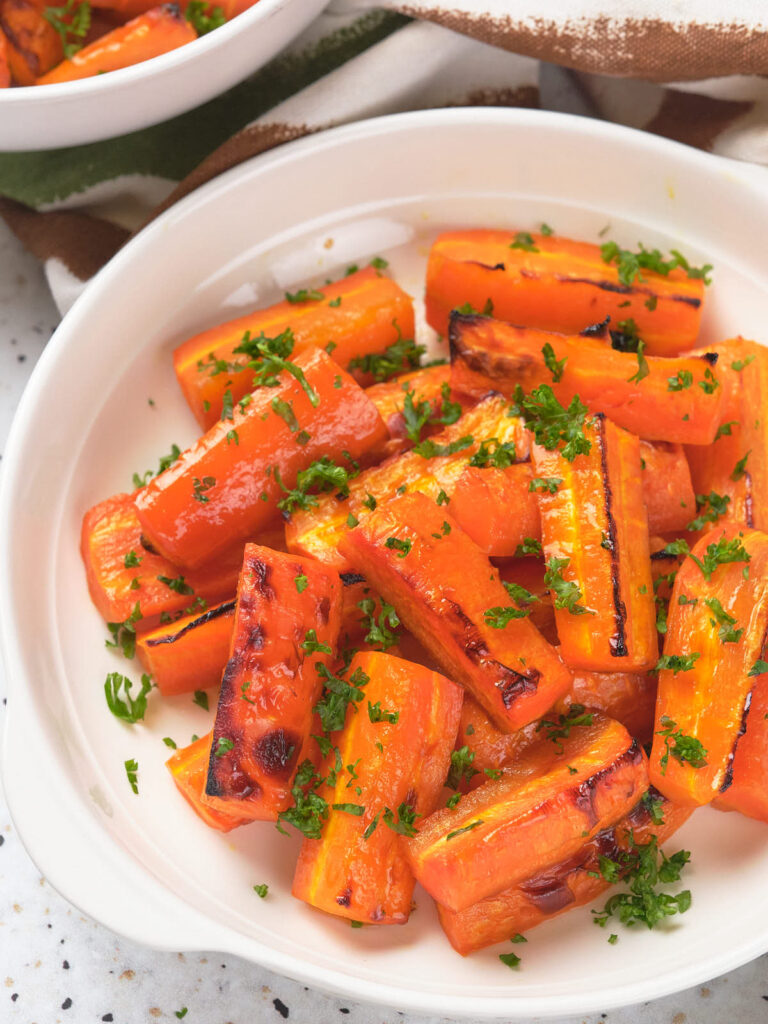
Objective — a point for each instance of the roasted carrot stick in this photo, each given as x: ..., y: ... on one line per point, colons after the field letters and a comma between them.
x: 667, y: 487
x: 431, y: 468
x: 537, y: 814
x: 716, y: 634
x: 731, y: 476
x: 226, y: 487
x: 5, y: 68
x: 190, y: 653
x: 675, y: 400
x: 529, y: 573
x: 124, y: 574
x: 745, y: 788
x: 449, y: 596
x: 189, y: 767
x: 158, y: 31
x: 627, y: 697
x: 486, y: 749
x: 430, y: 385
x: 595, y: 539
x: 286, y: 626
x: 398, y: 743
x: 33, y: 45
x: 496, y: 507
x: 571, y: 883
x: 363, y: 313
x: 558, y: 285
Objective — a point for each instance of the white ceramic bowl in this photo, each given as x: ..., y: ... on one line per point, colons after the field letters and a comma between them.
x: 144, y: 865
x: 102, y: 107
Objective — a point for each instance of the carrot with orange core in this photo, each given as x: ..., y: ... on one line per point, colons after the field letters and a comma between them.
x: 433, y: 468
x: 595, y: 540
x: 674, y: 400
x: 356, y: 316
x: 557, y: 284
x: 227, y: 486
x: 189, y: 767
x: 429, y: 385
x: 151, y: 34
x: 731, y: 476
x: 564, y: 886
x: 124, y: 574
x: 285, y: 631
x: 716, y: 635
x: 190, y: 653
x: 447, y: 593
x: 32, y: 44
x: 396, y: 748
x: 538, y: 813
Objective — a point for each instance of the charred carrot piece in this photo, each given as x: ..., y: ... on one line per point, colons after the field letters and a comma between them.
x: 537, y: 814
x: 660, y: 399
x: 5, y: 67
x: 432, y: 468
x: 628, y: 697
x: 361, y: 314
x: 286, y: 626
x: 124, y: 573
x: 152, y: 34
x: 449, y: 596
x: 595, y: 539
x: 734, y: 470
x: 190, y: 653
x: 667, y: 487
x: 189, y: 767
x: 399, y: 748
x: 747, y: 778
x: 32, y: 45
x: 430, y: 385
x: 557, y: 284
x: 571, y: 883
x: 226, y: 486
x: 716, y: 633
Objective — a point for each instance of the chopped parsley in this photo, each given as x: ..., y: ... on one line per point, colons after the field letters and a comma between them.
x: 338, y: 695
x: 739, y: 364
x: 199, y: 487
x: 380, y: 628
x: 304, y: 295
x: 685, y: 749
x: 400, y: 355
x: 524, y: 241
x: 261, y: 890
x: 758, y: 668
x: 178, y: 584
x: 630, y: 264
x: 640, y: 868
x: 510, y: 959
x: 204, y: 18
x: 565, y: 593
x: 642, y: 365
x: 530, y: 546
x: 132, y: 560
x: 301, y: 582
x: 72, y: 19
x: 321, y: 475
x: 740, y: 469
x: 560, y: 728
x: 402, y: 547
x: 726, y: 633
x: 430, y: 449
x: 554, y: 365
x: 223, y: 745
x: 124, y: 633
x: 132, y: 774
x: 466, y: 828
x: 677, y: 662
x: 554, y: 426
x: 309, y: 810
x: 164, y: 462
x: 494, y: 453
x: 128, y: 710
x: 461, y: 768
x: 312, y: 645
x: 378, y: 714
x: 269, y: 357
x: 681, y: 381
x: 545, y: 484
x: 712, y: 506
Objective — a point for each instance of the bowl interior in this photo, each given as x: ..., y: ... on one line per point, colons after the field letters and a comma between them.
x: 86, y: 424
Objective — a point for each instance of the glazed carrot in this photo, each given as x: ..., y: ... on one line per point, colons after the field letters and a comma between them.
x: 538, y: 813
x: 5, y: 68
x: 529, y: 573
x: 432, y: 384
x: 745, y: 787
x: 715, y: 639
x: 442, y: 587
x: 571, y: 883
x: 489, y: 748
x: 675, y: 400
x: 358, y: 315
x: 286, y: 621
x: 318, y: 532
x: 557, y: 284
x: 595, y: 539
x: 190, y: 653
x: 158, y: 31
x: 189, y: 767
x: 226, y: 486
x: 357, y: 869
x: 32, y: 44
x: 735, y: 467
x: 124, y: 574
x: 667, y: 488
x: 496, y: 507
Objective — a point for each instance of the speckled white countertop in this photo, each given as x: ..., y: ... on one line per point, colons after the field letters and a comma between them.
x: 58, y: 966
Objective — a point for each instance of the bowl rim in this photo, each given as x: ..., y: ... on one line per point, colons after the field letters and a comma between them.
x: 20, y: 704
x: 28, y: 96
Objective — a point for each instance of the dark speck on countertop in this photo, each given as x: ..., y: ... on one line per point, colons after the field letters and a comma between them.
x: 281, y: 1008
